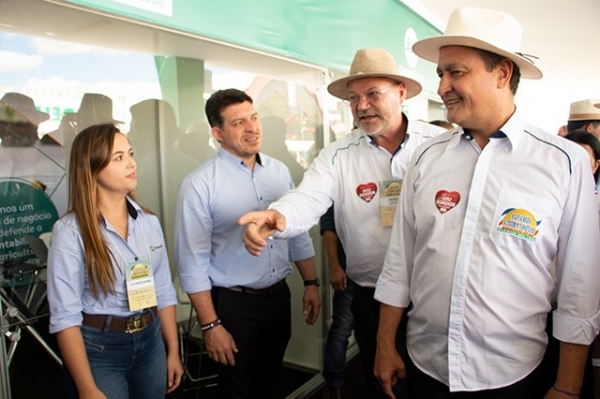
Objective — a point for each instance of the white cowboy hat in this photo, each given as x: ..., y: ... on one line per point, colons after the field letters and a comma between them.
x: 490, y: 30
x: 584, y: 110
x: 373, y: 63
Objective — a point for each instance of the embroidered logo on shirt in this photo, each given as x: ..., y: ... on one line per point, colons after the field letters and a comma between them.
x: 446, y: 200
x: 366, y: 191
x: 519, y: 223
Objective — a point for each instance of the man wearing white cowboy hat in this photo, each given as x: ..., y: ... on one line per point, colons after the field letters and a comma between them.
x: 361, y: 173
x: 585, y: 114
x: 485, y: 209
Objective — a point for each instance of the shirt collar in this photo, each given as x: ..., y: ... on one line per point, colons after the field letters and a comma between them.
x: 513, y: 130
x: 232, y: 160
x: 405, y: 140
x: 133, y: 209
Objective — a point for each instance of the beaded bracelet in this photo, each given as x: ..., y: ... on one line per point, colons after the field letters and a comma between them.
x: 210, y: 325
x: 565, y: 392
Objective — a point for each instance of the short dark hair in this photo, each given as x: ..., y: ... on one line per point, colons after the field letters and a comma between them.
x: 220, y: 100
x: 581, y: 137
x: 582, y: 125
x: 491, y: 60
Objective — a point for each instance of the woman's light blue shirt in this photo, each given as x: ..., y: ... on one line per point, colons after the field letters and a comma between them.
x: 69, y: 291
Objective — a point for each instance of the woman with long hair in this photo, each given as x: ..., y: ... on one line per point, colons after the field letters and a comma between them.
x: 109, y: 282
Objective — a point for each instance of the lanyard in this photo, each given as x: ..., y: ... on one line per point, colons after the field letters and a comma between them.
x: 121, y: 255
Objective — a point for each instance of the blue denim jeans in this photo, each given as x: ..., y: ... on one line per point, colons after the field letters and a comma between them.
x: 337, y: 338
x: 126, y: 366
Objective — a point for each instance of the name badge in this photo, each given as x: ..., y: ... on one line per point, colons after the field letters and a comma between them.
x: 141, y: 291
x: 389, y: 193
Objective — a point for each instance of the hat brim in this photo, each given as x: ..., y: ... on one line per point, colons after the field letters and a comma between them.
x: 30, y: 115
x: 584, y: 117
x: 429, y: 49
x: 339, y: 88
x: 95, y: 117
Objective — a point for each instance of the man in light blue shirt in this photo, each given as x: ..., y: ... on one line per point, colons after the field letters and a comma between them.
x: 242, y: 301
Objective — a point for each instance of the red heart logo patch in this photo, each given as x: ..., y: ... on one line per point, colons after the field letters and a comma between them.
x: 367, y: 191
x: 446, y: 200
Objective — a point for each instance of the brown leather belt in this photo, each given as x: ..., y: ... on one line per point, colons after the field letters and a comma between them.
x: 131, y: 325
x: 268, y: 291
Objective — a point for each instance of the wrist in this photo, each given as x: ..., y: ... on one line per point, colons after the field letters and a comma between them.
x: 573, y: 394
x: 312, y: 282
x: 211, y: 325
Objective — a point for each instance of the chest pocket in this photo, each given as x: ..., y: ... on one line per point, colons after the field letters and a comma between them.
x: 522, y: 221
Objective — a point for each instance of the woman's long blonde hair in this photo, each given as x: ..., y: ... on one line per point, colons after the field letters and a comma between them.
x: 90, y: 154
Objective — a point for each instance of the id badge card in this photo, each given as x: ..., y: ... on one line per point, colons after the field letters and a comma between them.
x: 141, y: 292
x: 389, y: 193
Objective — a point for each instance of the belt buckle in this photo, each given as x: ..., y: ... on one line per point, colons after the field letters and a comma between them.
x: 136, y: 323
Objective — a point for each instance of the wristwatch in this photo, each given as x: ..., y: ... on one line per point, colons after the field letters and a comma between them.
x: 312, y: 282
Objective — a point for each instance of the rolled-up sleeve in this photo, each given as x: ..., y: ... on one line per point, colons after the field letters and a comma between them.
x: 193, y: 232
x: 393, y: 285
x: 165, y: 292
x: 66, y: 277
x: 577, y: 318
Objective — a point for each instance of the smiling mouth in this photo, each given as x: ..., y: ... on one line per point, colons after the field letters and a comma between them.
x: 451, y: 102
x: 367, y: 116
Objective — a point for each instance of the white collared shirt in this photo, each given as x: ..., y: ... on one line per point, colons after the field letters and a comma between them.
x: 472, y: 247
x: 347, y: 173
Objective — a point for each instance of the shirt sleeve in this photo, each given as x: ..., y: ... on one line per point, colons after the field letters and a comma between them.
x: 66, y: 277
x: 301, y: 247
x: 165, y: 292
x: 393, y: 285
x: 303, y: 206
x: 193, y: 231
x: 577, y: 318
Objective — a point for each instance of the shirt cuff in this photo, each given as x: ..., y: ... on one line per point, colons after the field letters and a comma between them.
x: 575, y: 331
x: 392, y: 294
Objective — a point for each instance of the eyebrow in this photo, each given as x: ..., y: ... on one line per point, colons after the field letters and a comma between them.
x: 121, y: 152
x: 367, y: 90
x: 244, y: 117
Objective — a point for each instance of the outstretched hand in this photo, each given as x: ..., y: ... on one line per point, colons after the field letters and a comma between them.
x: 260, y: 225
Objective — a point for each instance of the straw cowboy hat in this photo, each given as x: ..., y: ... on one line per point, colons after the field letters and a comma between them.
x: 490, y: 30
x: 373, y: 63
x: 585, y: 110
x: 17, y: 107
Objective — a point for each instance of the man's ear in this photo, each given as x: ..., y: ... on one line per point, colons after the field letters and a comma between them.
x: 504, y: 71
x: 216, y: 132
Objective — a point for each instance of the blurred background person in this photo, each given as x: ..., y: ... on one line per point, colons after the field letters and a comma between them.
x: 584, y: 115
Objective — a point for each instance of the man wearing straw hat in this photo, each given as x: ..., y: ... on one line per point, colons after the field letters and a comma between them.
x: 361, y: 173
x: 585, y: 115
x: 485, y: 209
